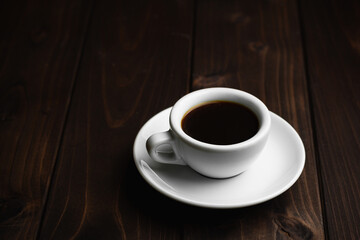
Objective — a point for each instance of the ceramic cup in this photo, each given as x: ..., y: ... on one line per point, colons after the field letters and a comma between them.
x: 215, y: 161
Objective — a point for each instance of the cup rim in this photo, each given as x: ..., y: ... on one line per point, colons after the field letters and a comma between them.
x: 175, y: 120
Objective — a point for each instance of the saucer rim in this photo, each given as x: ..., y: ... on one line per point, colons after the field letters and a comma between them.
x: 183, y: 199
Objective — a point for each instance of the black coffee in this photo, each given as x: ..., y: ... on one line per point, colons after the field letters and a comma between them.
x: 220, y: 123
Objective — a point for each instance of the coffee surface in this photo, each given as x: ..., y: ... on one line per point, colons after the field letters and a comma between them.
x: 220, y: 123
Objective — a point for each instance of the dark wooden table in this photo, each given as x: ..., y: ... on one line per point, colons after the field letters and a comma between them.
x: 79, y: 78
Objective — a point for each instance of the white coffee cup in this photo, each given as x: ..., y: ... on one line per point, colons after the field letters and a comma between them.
x: 211, y: 160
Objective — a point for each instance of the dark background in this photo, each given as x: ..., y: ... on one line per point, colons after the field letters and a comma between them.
x: 79, y: 78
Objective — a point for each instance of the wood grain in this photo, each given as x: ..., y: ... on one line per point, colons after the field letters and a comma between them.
x: 256, y: 46
x: 79, y: 78
x: 40, y: 46
x: 136, y: 62
x: 332, y: 37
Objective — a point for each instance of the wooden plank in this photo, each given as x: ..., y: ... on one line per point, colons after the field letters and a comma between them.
x: 40, y: 47
x: 256, y: 46
x: 136, y: 62
x: 332, y: 33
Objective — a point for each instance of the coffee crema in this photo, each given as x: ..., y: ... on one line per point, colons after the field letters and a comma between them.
x: 220, y: 123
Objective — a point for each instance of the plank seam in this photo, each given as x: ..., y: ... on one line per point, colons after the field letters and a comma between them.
x: 72, y: 90
x: 312, y: 119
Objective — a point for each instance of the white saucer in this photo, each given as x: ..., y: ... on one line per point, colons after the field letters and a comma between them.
x: 276, y: 170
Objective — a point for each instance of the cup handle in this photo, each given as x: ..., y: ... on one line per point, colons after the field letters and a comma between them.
x: 156, y: 147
